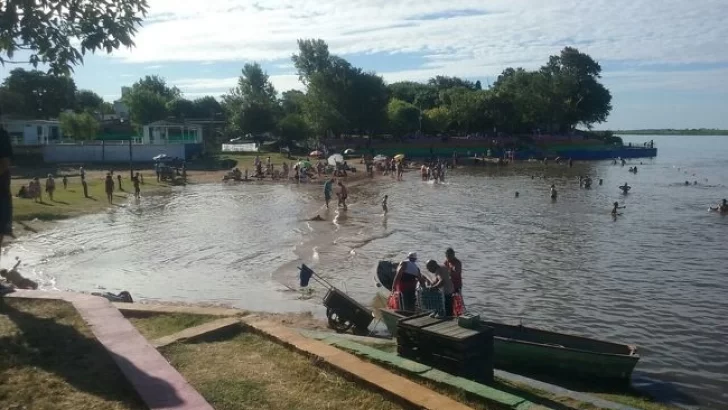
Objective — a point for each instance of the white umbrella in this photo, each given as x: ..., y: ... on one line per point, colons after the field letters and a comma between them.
x: 349, y: 151
x: 380, y: 158
x: 336, y: 158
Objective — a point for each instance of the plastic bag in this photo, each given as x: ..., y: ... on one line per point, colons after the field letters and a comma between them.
x: 458, y: 306
x: 395, y: 300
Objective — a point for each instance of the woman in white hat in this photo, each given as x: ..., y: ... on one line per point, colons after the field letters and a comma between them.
x: 406, y: 279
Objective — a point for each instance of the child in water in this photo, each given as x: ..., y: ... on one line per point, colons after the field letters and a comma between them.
x: 554, y: 194
x: 616, y: 207
x: 384, y: 203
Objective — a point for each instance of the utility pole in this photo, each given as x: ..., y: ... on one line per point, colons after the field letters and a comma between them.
x: 131, y: 166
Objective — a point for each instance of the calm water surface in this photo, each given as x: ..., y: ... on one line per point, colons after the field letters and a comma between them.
x: 656, y: 276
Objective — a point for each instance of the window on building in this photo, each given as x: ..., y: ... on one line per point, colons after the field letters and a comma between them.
x: 55, y: 135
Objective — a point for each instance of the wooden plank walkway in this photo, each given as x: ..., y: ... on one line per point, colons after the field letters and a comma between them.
x: 159, y: 385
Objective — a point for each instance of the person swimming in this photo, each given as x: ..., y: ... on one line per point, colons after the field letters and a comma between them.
x: 625, y: 188
x: 616, y: 207
x: 722, y: 208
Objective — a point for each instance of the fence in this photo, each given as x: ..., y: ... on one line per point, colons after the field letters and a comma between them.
x: 109, y: 152
x: 247, y: 147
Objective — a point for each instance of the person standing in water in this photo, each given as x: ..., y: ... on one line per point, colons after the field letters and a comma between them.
x: 343, y: 194
x: 554, y: 194
x: 384, y: 204
x: 616, y: 207
x: 109, y: 188
x: 135, y: 182
x: 328, y: 190
x: 722, y: 208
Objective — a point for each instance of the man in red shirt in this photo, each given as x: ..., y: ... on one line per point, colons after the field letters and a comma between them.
x: 456, y: 269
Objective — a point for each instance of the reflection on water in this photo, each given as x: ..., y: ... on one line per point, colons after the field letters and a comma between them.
x: 654, y: 276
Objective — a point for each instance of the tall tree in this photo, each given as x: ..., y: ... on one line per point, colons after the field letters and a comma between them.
x: 313, y: 57
x: 207, y: 107
x: 36, y: 94
x: 87, y: 100
x: 148, y: 99
x: 182, y: 108
x: 403, y: 117
x: 46, y: 30
x: 292, y: 102
x: 79, y: 126
x: 252, y: 105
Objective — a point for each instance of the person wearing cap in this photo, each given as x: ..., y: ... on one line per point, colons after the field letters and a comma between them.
x: 456, y: 269
x: 443, y: 281
x: 406, y: 279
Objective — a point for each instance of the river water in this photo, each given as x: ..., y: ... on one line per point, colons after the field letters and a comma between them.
x: 656, y: 276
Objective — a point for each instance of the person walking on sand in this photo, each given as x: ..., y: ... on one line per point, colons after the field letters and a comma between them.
x: 35, y: 192
x: 343, y: 194
x: 328, y: 190
x: 109, y: 187
x: 50, y: 186
x: 384, y: 204
x: 65, y: 182
x: 118, y: 177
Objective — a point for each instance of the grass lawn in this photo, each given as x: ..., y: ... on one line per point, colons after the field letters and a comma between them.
x: 163, y: 324
x: 248, y: 371
x: 50, y: 360
x: 71, y: 202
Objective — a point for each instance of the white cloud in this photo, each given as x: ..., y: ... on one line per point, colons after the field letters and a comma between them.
x: 502, y: 33
x: 153, y: 67
x: 216, y: 86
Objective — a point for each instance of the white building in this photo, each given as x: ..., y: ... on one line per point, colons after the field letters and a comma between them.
x: 33, y: 132
x: 165, y: 132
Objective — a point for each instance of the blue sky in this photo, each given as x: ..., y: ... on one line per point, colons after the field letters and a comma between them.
x: 666, y: 62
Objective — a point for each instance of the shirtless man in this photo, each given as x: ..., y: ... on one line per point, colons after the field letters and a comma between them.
x: 343, y: 194
x: 616, y: 207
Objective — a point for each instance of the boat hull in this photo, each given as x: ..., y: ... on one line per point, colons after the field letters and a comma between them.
x: 526, y: 350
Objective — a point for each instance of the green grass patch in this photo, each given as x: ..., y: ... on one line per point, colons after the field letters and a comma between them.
x: 248, y: 371
x: 50, y: 360
x: 70, y: 202
x: 164, y: 324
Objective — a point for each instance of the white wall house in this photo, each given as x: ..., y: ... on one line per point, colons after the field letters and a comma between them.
x: 165, y: 132
x: 33, y: 132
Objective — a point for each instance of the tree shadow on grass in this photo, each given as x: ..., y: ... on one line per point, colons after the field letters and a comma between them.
x: 81, y: 361
x: 62, y: 202
x: 91, y: 198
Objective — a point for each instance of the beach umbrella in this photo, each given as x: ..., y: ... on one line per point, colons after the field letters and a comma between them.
x: 304, y: 164
x: 349, y: 151
x: 335, y: 159
x: 399, y: 157
x: 160, y: 156
x: 315, y: 154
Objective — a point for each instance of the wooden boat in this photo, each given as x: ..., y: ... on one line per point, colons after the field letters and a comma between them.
x: 522, y: 349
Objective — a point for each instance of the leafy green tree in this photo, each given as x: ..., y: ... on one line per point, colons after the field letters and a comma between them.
x: 181, y: 108
x: 148, y: 100
x: 442, y: 82
x: 206, y: 107
x: 403, y: 117
x: 313, y: 57
x: 439, y: 119
x: 292, y: 102
x: 252, y: 105
x: 157, y: 85
x: 35, y: 94
x: 146, y: 106
x: 87, y: 100
x: 423, y: 96
x: 293, y: 127
x: 79, y: 126
x: 46, y: 30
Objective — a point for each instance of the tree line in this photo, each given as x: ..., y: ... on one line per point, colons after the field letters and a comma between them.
x: 339, y: 99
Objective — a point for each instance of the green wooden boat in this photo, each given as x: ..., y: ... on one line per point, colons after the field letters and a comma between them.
x: 522, y: 349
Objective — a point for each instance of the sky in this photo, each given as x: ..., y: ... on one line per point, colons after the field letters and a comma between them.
x: 665, y: 61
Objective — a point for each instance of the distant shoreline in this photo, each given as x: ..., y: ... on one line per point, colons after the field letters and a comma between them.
x: 701, y: 131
